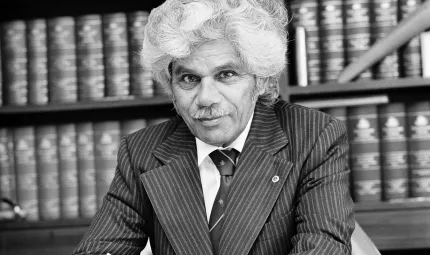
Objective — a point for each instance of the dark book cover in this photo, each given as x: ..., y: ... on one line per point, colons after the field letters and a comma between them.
x: 68, y: 166
x: 37, y: 62
x: 357, y: 31
x: 14, y: 62
x: 130, y: 126
x: 331, y: 36
x: 115, y: 48
x: 410, y: 54
x: 86, y: 169
x: 384, y: 14
x: 25, y: 171
x: 47, y: 172
x: 394, y: 151
x: 418, y: 132
x: 141, y: 80
x: 7, y: 168
x: 106, y: 143
x: 304, y: 13
x: 363, y: 133
x: 91, y: 80
x: 62, y: 80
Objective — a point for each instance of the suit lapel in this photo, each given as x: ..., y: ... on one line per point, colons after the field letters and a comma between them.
x: 176, y: 194
x: 259, y: 178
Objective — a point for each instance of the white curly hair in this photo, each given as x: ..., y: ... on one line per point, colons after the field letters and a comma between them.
x: 255, y: 28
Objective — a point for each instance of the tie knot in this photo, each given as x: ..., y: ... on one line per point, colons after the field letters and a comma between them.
x: 225, y: 160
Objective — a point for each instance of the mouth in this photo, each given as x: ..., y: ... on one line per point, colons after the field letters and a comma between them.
x: 211, y: 121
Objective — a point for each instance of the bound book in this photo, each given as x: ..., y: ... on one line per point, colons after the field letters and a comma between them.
x: 14, y: 58
x: 37, y: 62
x: 86, y: 169
x: 47, y: 172
x: 418, y: 119
x: 91, y: 80
x: 394, y: 151
x: 62, y: 81
x: 115, y: 42
x: 425, y: 53
x: 68, y: 171
x: 25, y: 170
x: 363, y: 133
x: 7, y: 168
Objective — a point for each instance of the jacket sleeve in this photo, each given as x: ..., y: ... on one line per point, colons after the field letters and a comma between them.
x: 121, y: 225
x: 325, y: 211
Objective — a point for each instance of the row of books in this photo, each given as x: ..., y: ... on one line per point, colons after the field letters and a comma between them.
x: 389, y: 149
x: 331, y: 34
x: 61, y: 171
x: 69, y: 59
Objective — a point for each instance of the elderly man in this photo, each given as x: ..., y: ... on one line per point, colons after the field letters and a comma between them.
x: 237, y: 171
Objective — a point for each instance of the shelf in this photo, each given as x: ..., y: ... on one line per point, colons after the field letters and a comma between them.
x: 359, y: 86
x: 85, y: 105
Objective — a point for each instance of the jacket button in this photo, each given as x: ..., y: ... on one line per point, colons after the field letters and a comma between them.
x: 275, y: 179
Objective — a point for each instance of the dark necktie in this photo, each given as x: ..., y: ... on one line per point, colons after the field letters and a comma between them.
x: 225, y: 161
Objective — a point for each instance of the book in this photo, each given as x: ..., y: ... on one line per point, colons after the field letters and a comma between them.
x: 300, y: 57
x: 141, y: 80
x: 384, y: 20
x: 47, y: 172
x: 86, y: 169
x: 345, y: 101
x: 89, y: 54
x: 331, y: 36
x: 115, y: 46
x: 418, y: 133
x: 425, y: 53
x: 106, y: 143
x: 394, y: 151
x: 363, y: 133
x: 68, y: 166
x: 37, y: 62
x: 305, y: 14
x: 130, y: 126
x: 357, y: 31
x: 7, y: 168
x: 25, y: 170
x: 62, y: 80
x: 14, y: 58
x: 410, y: 54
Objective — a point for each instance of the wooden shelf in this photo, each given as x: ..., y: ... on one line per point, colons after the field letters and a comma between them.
x: 396, y: 225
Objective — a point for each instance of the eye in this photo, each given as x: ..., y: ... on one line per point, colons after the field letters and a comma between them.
x: 226, y: 74
x: 188, y: 78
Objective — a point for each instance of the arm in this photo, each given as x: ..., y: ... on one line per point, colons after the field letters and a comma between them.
x: 324, y: 216
x: 121, y: 224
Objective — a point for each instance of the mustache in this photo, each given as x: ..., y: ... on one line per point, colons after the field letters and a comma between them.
x: 209, y: 112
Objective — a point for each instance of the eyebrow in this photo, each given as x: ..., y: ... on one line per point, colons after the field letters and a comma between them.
x: 179, y: 69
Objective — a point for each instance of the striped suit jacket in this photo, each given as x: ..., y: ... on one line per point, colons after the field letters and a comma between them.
x: 289, y: 194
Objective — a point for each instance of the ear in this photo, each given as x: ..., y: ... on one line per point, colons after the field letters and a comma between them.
x: 261, y: 85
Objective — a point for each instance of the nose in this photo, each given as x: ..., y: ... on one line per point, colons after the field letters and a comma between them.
x: 208, y: 93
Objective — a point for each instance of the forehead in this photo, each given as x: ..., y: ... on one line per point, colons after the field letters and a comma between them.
x: 208, y: 56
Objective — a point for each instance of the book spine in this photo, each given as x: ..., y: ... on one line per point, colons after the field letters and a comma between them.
x: 37, y: 62
x: 300, y: 57
x: 91, y: 80
x: 68, y: 171
x: 106, y: 141
x: 331, y: 36
x: 115, y: 42
x: 141, y: 82
x: 409, y: 54
x: 305, y: 14
x: 394, y: 151
x: 365, y: 165
x: 418, y: 119
x: 14, y: 57
x: 357, y: 31
x: 62, y: 81
x: 47, y: 172
x: 26, y: 174
x: 425, y: 53
x: 385, y: 18
x: 86, y: 169
x: 130, y: 126
x: 7, y: 167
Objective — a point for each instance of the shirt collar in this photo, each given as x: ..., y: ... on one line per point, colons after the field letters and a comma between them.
x: 204, y: 149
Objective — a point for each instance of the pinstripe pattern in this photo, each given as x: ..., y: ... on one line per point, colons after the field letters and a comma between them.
x: 157, y: 191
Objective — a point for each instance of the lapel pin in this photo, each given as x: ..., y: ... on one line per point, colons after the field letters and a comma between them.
x: 275, y: 179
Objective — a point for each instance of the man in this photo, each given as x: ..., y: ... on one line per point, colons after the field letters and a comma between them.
x: 237, y: 171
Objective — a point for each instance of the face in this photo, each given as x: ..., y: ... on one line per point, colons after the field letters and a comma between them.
x: 214, y: 95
